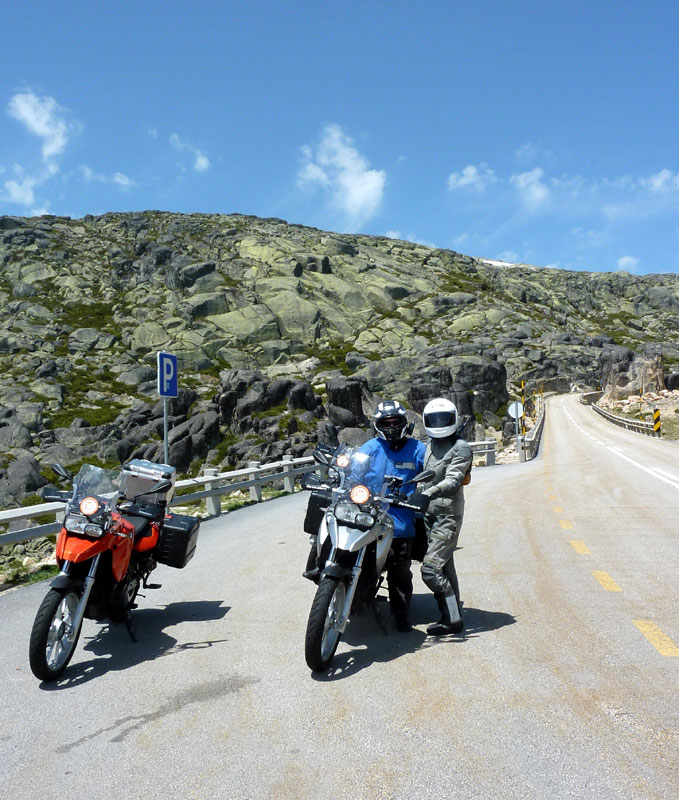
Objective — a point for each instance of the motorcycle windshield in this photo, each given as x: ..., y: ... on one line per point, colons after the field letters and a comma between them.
x: 354, y: 466
x: 95, y: 481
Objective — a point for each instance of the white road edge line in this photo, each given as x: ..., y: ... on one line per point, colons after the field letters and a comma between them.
x: 656, y: 473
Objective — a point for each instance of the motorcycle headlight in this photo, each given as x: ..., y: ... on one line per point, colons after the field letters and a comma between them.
x: 360, y: 494
x: 75, y: 524
x: 349, y: 514
x: 89, y: 506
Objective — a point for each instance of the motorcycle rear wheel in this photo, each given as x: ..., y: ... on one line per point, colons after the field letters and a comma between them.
x: 322, y: 632
x: 53, y: 639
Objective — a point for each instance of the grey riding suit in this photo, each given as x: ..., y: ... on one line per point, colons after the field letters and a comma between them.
x: 451, y: 460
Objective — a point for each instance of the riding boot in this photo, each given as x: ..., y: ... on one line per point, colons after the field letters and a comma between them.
x: 451, y: 621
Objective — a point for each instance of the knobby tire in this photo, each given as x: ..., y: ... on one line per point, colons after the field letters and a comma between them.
x: 50, y: 616
x: 329, y: 600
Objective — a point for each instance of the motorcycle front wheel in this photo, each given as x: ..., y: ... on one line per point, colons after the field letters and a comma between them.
x: 322, y: 631
x: 53, y: 638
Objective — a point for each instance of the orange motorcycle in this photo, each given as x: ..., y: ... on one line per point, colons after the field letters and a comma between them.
x: 116, y: 530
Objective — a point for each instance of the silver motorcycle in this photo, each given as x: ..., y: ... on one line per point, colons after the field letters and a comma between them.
x: 353, y: 541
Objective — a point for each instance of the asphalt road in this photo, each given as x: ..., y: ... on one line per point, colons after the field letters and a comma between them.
x: 564, y: 684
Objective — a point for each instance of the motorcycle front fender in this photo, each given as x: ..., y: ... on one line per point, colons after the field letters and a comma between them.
x: 353, y: 539
x: 78, y: 548
x: 335, y: 571
x: 65, y: 582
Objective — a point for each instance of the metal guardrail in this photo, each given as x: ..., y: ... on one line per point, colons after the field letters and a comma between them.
x: 487, y: 448
x: 647, y: 428
x: 531, y: 441
x: 216, y: 484
x: 213, y: 484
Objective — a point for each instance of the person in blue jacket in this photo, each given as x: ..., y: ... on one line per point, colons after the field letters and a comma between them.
x: 394, y: 452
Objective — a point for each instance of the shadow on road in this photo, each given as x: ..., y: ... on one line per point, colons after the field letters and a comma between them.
x: 374, y: 639
x: 114, y: 649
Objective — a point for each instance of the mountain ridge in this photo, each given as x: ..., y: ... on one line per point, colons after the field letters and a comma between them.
x: 284, y: 333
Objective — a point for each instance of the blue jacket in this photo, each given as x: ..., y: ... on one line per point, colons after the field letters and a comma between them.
x: 405, y: 463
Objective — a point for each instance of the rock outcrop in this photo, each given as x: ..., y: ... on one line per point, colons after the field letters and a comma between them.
x: 284, y: 334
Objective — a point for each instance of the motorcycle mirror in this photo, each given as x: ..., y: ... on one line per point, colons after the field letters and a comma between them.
x: 426, y: 475
x: 61, y: 471
x: 322, y: 457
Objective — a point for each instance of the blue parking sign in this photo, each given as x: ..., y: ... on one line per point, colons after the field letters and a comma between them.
x: 167, y: 375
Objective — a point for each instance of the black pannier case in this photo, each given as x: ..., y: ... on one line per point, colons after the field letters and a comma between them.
x: 178, y: 540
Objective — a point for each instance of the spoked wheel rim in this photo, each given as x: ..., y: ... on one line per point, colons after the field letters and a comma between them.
x: 61, y: 635
x: 331, y: 631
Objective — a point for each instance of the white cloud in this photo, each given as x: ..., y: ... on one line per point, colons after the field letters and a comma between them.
x: 663, y: 181
x: 118, y: 178
x: 338, y: 168
x: 123, y: 181
x: 201, y: 162
x: 532, y: 191
x: 393, y: 234
x: 628, y: 263
x: 21, y: 191
x: 43, y: 117
x: 472, y: 177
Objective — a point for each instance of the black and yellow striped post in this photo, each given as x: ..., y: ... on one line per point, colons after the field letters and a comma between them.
x: 656, y: 422
x: 523, y: 412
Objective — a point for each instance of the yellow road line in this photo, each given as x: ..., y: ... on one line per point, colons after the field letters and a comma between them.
x: 558, y: 510
x: 662, y: 643
x: 579, y: 547
x: 607, y: 582
x: 566, y: 524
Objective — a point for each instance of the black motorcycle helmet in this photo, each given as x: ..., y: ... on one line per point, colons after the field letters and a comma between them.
x: 390, y: 422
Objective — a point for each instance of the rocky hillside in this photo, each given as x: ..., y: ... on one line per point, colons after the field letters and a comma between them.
x: 284, y: 333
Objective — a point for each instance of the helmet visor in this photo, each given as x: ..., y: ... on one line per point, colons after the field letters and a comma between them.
x: 388, y: 423
x: 439, y: 419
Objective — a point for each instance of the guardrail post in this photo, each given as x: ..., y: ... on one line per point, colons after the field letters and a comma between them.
x: 521, y: 442
x: 255, y: 491
x: 490, y: 455
x: 213, y: 503
x: 289, y: 481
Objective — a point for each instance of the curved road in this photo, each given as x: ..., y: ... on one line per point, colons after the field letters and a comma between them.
x: 564, y: 684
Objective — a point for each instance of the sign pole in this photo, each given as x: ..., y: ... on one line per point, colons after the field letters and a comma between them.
x: 165, y: 445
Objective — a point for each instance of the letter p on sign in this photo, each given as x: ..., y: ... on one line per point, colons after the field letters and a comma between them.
x: 167, y: 375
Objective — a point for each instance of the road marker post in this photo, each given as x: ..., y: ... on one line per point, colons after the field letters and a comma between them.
x: 656, y: 422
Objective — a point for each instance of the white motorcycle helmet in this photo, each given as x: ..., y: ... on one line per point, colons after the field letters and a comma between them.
x: 440, y: 418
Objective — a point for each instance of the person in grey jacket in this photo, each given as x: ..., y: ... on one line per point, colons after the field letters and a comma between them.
x: 451, y: 459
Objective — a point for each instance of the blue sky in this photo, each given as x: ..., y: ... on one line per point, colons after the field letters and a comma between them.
x: 540, y: 132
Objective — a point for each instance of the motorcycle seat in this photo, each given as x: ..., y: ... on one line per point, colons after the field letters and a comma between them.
x: 139, y: 523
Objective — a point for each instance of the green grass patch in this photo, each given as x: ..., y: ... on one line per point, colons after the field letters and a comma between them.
x: 20, y: 578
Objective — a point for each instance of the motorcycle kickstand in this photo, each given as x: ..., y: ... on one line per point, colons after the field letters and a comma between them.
x: 130, y: 627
